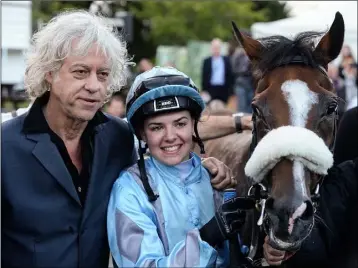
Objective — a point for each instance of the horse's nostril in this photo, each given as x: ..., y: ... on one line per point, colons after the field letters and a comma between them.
x: 308, y: 213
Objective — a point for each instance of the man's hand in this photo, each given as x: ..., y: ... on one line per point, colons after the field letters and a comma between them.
x: 222, y: 177
x: 246, y: 122
x: 273, y: 256
x: 242, y: 122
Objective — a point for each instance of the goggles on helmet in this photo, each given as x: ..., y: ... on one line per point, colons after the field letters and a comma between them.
x: 160, y: 81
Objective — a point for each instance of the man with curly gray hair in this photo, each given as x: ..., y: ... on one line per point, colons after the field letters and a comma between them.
x: 60, y: 159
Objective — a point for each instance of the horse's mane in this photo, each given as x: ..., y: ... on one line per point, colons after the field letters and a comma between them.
x: 279, y: 50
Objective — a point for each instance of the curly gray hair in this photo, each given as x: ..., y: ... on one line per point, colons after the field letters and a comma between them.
x: 53, y: 43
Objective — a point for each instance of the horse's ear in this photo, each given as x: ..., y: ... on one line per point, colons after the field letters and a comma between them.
x: 332, y: 42
x: 253, y: 48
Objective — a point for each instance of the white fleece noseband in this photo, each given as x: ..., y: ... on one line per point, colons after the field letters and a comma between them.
x: 294, y: 143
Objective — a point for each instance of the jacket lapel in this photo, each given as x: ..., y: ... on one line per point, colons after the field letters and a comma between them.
x: 46, y: 152
x: 94, y: 196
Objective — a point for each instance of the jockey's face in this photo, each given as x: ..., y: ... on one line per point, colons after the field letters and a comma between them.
x: 79, y: 88
x: 169, y: 136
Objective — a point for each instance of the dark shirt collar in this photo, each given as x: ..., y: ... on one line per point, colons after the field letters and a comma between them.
x: 35, y: 121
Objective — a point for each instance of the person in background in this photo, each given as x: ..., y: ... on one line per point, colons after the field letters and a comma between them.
x: 64, y: 154
x: 348, y: 71
x: 347, y: 59
x: 117, y: 105
x: 243, y: 80
x: 338, y: 84
x: 144, y: 65
x: 217, y: 77
x: 351, y: 86
x: 164, y: 207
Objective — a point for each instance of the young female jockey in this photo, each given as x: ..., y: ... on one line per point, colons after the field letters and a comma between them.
x: 163, y: 211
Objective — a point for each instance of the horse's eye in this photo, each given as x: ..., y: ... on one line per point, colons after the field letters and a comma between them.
x: 332, y: 108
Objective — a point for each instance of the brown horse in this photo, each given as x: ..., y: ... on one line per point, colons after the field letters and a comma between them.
x: 294, y: 127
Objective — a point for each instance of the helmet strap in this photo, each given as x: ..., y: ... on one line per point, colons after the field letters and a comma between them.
x: 198, y: 140
x: 143, y: 174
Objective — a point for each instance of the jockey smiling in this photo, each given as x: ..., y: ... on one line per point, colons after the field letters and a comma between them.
x: 163, y: 211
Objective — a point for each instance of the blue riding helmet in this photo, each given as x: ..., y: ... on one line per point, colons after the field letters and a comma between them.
x: 159, y: 90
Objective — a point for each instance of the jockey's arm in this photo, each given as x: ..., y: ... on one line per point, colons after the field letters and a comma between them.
x: 217, y: 126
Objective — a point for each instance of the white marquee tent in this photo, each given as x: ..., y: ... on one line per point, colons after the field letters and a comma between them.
x: 319, y: 18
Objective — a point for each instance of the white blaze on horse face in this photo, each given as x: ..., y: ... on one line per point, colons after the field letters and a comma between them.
x: 298, y: 176
x: 300, y: 100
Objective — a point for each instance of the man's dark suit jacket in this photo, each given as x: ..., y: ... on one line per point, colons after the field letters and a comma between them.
x: 206, y: 77
x: 43, y: 221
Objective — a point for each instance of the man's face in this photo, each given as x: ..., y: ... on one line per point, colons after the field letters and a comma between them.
x: 215, y: 48
x: 78, y: 89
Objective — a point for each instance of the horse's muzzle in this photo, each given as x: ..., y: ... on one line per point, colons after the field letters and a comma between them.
x: 287, y: 242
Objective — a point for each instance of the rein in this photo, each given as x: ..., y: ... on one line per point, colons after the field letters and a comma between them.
x: 259, y: 192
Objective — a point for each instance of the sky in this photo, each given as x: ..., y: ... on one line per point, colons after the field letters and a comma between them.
x: 348, y: 9
x: 298, y: 7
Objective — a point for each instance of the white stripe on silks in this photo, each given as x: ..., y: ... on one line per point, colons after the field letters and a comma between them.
x: 296, y: 144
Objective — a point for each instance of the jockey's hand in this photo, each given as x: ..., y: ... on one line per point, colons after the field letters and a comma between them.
x: 222, y: 177
x: 273, y: 256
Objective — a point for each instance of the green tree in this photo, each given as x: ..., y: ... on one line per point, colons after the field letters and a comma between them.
x: 176, y: 22
x: 45, y: 10
x: 274, y: 10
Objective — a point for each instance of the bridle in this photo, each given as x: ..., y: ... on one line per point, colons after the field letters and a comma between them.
x: 259, y: 192
x: 254, y: 141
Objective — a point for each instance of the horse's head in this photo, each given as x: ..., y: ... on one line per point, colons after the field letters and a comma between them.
x: 294, y: 127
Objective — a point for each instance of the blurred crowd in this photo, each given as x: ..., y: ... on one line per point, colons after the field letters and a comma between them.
x: 227, y: 81
x: 345, y: 80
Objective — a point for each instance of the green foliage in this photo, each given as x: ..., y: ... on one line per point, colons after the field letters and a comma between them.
x: 176, y: 22
x: 45, y: 10
x: 274, y: 10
